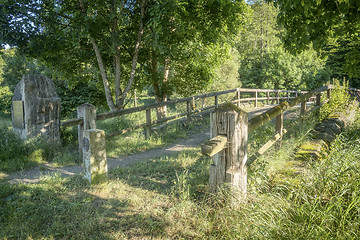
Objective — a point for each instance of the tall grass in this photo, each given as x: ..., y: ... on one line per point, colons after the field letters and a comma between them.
x: 167, y: 198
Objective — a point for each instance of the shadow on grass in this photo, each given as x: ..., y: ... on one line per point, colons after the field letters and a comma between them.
x: 67, y: 208
x: 188, y: 169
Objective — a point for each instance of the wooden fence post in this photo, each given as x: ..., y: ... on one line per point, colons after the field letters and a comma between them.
x: 88, y: 113
x: 193, y: 104
x: 279, y: 126
x: 216, y: 102
x: 135, y: 99
x: 188, y: 109
x: 238, y: 95
x: 287, y: 96
x: 277, y: 97
x: 267, y: 97
x: 328, y: 92
x: 230, y: 164
x: 94, y: 156
x: 148, y: 124
x: 256, y: 99
x: 318, y: 99
x: 302, y: 111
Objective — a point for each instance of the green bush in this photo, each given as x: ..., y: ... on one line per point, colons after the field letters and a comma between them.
x: 5, y: 99
x: 340, y: 99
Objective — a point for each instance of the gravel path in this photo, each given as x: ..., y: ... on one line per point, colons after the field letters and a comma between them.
x: 34, y: 175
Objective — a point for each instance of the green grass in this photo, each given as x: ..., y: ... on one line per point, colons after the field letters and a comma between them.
x: 167, y: 198
x: 16, y: 154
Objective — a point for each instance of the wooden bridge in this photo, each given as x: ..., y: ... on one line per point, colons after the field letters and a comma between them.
x: 229, y: 125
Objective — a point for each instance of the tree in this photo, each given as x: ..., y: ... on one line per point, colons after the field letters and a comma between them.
x: 171, y: 40
x: 184, y: 41
x: 264, y: 63
x: 318, y: 23
x: 76, y: 35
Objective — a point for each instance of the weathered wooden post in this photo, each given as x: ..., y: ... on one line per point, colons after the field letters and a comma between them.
x: 328, y: 92
x: 238, y: 95
x: 256, y: 99
x: 318, y: 99
x: 228, y: 148
x: 277, y: 97
x: 135, y: 99
x: 88, y: 113
x: 148, y: 124
x: 216, y: 102
x: 94, y: 156
x: 193, y: 103
x: 189, y: 110
x: 302, y: 112
x: 287, y: 96
x: 279, y: 127
x: 267, y: 97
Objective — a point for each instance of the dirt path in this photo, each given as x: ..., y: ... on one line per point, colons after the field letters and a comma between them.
x: 34, y: 175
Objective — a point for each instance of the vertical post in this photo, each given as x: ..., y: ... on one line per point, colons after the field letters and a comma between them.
x: 193, y: 104
x: 296, y: 94
x: 230, y: 164
x: 302, y: 111
x: 277, y: 97
x: 267, y: 97
x: 148, y: 124
x: 279, y: 126
x: 318, y: 99
x: 287, y: 96
x: 216, y: 102
x: 328, y: 92
x: 188, y: 109
x: 238, y: 95
x: 88, y: 113
x: 94, y: 156
x: 135, y: 99
x: 256, y: 97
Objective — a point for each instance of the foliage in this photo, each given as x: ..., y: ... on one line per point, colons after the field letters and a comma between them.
x: 339, y: 101
x: 264, y: 63
x: 17, y: 154
x: 317, y: 22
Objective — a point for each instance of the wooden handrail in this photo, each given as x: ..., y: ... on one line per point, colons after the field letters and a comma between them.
x: 265, y: 117
x: 103, y: 116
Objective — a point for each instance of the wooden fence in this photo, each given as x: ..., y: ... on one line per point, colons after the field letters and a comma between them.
x: 241, y: 95
x: 230, y: 128
x: 87, y: 117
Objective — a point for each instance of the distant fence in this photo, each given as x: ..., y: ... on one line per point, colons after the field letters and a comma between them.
x: 241, y: 95
x: 92, y: 141
x: 230, y: 128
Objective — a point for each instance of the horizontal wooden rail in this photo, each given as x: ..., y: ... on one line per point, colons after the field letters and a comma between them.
x: 265, y: 117
x: 117, y: 113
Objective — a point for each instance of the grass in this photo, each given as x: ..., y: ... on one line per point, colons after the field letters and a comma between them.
x: 167, y: 198
x: 16, y: 154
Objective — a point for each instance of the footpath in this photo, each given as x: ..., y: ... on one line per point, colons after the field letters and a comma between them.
x: 35, y: 174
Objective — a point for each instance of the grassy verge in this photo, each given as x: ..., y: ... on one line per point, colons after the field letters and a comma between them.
x: 167, y: 198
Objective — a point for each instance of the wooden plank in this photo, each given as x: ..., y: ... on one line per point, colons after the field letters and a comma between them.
x: 265, y: 147
x: 277, y: 110
x: 148, y: 124
x: 214, y: 145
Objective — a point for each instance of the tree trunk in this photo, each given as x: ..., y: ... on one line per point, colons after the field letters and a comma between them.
x: 160, y: 92
x: 134, y: 60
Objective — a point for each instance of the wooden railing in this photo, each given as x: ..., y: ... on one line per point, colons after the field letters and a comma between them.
x: 230, y: 128
x: 241, y: 95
